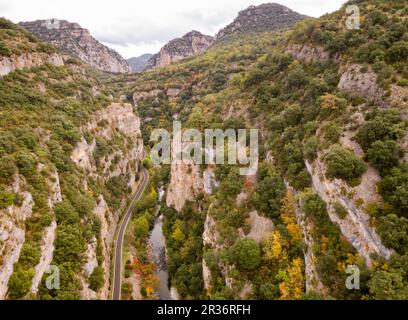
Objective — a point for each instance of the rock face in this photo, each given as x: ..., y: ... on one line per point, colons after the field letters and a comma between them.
x: 71, y: 38
x: 265, y: 17
x: 308, y: 54
x: 185, y: 184
x: 28, y: 60
x: 190, y: 44
x: 356, y: 81
x: 139, y: 64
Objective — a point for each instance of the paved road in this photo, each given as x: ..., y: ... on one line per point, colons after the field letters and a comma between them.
x: 117, y: 267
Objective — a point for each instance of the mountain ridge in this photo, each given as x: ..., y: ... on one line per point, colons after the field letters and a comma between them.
x: 72, y: 39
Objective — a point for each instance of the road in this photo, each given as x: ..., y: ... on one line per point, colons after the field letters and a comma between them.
x: 117, y: 267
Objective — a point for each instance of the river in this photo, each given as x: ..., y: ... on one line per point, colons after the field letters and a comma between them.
x: 157, y: 245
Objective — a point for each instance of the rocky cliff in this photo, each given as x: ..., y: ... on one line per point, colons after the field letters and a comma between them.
x: 190, y: 44
x: 77, y: 41
x: 265, y: 17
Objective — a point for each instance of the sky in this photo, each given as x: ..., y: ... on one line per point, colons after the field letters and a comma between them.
x: 134, y: 27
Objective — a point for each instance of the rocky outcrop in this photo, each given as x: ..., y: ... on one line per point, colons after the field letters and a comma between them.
x: 72, y: 39
x: 118, y: 117
x: 12, y: 234
x: 261, y: 227
x: 28, y: 60
x: 355, y: 80
x: 356, y: 225
x: 265, y: 17
x: 309, y: 54
x: 190, y: 44
x: 185, y: 184
x: 139, y: 64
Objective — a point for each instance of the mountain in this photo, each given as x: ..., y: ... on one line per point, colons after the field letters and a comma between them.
x: 326, y: 212
x: 265, y: 17
x: 190, y: 44
x: 72, y: 39
x: 139, y: 64
x: 329, y: 197
x: 69, y: 159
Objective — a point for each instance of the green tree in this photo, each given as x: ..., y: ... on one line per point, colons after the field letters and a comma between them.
x: 246, y: 254
x: 20, y: 283
x: 343, y: 164
x: 141, y: 228
x: 96, y: 279
x: 384, y: 154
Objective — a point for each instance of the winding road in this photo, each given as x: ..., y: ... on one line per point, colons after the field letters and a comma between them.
x: 117, y: 267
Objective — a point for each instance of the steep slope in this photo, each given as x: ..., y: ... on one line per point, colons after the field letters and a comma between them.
x: 69, y: 159
x: 72, y: 39
x: 188, y: 45
x: 265, y: 17
x: 332, y: 120
x: 139, y: 64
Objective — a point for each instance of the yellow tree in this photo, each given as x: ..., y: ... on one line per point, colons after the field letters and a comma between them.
x: 293, y: 286
x: 289, y: 217
x: 275, y: 248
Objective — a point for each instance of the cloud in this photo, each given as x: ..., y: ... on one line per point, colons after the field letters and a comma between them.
x: 131, y: 26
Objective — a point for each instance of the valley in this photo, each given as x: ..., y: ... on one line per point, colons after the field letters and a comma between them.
x: 79, y: 190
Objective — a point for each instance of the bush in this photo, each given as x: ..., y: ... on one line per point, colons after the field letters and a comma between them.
x: 6, y: 198
x: 310, y: 148
x: 384, y: 155
x: 386, y: 125
x: 332, y: 133
x: 393, y: 231
x: 343, y: 164
x: 394, y: 189
x: 141, y: 228
x: 96, y: 279
x: 7, y: 168
x: 25, y: 162
x: 340, y: 210
x: 246, y: 254
x: 20, y: 283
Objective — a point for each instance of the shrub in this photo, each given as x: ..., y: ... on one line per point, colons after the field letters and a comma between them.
x: 20, y: 283
x: 394, y: 232
x: 384, y: 154
x: 310, y: 148
x: 340, y: 210
x: 25, y: 162
x: 332, y: 133
x: 7, y: 168
x: 96, y: 279
x: 343, y: 164
x: 394, y: 188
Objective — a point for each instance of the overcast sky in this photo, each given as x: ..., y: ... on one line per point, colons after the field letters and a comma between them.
x: 135, y: 27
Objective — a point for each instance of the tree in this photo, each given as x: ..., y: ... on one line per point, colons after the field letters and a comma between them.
x: 246, y: 254
x: 384, y: 154
x: 7, y: 168
x: 394, y: 189
x: 293, y: 286
x: 269, y: 194
x: 394, y: 232
x: 274, y: 248
x: 343, y: 164
x: 20, y: 282
x: 96, y: 279
x: 141, y: 228
x: 388, y: 285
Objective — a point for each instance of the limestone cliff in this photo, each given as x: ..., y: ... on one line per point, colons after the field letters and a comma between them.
x: 188, y: 45
x: 71, y: 38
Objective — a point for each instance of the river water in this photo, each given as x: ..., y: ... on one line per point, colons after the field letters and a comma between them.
x: 157, y: 244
